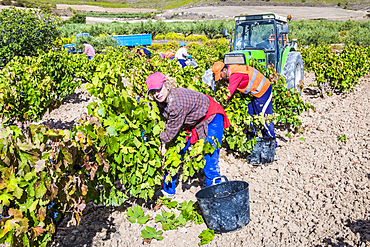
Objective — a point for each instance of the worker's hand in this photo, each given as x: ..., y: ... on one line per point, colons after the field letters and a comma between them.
x: 163, y: 149
x: 189, y: 56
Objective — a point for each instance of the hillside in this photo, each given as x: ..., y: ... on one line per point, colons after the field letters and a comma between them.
x: 170, y: 4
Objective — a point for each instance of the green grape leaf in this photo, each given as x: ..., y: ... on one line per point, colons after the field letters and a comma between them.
x: 112, y: 130
x: 40, y: 190
x: 206, y: 236
x: 137, y: 214
x: 150, y: 233
x: 143, y: 219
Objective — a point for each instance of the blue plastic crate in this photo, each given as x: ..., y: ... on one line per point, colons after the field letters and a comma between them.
x: 69, y: 46
x: 133, y: 40
x: 83, y: 34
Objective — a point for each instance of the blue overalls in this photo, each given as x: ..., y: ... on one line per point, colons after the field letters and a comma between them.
x: 262, y: 105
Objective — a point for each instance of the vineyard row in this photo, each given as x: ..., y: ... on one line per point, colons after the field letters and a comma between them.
x: 46, y: 173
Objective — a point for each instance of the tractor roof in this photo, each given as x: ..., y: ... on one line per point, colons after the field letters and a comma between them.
x: 260, y: 17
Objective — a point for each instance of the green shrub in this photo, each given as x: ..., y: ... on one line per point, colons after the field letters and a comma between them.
x: 315, y: 32
x: 77, y: 18
x: 99, y: 43
x: 171, y: 45
x: 156, y: 47
x: 46, y: 8
x: 160, y: 36
x: 193, y: 38
x: 145, y: 15
x: 72, y: 10
x: 357, y: 37
x: 23, y: 3
x: 155, y: 28
x: 175, y: 36
x: 348, y: 25
x: 25, y: 32
x: 6, y: 2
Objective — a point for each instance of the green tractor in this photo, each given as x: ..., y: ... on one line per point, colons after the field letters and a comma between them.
x: 265, y: 38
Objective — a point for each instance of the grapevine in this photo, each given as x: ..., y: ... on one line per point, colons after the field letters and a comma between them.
x: 113, y: 152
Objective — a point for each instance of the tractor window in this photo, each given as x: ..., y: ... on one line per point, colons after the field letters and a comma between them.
x: 282, y: 37
x: 239, y: 37
x: 254, y: 35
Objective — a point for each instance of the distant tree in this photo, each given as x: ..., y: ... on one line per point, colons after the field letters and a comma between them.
x: 24, y: 32
x: 6, y: 2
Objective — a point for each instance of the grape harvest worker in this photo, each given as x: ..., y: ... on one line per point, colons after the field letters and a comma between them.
x: 89, y: 50
x: 247, y: 79
x: 144, y: 52
x: 181, y: 106
x: 182, y: 54
x: 169, y: 54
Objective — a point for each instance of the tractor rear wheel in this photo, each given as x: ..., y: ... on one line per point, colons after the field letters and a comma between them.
x: 293, y: 71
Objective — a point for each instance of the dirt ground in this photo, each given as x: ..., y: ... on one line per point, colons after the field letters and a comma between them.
x: 228, y: 12
x: 88, y: 8
x: 317, y: 194
x: 297, y: 13
x: 224, y: 12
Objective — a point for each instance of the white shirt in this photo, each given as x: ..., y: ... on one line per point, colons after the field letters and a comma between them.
x: 181, y: 53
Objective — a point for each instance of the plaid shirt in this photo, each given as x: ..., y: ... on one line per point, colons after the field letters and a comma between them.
x: 185, y: 107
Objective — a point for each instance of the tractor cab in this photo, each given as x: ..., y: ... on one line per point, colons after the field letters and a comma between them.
x: 262, y: 37
x: 265, y: 38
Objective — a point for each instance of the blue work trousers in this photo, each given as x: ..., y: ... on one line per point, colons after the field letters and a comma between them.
x: 182, y: 62
x: 211, y: 168
x: 262, y: 105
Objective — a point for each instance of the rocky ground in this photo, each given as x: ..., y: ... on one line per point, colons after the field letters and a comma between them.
x: 213, y: 11
x: 217, y: 11
x: 97, y: 9
x: 72, y: 109
x: 317, y: 194
x: 297, y: 12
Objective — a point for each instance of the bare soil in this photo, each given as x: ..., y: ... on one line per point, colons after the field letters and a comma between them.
x: 229, y: 12
x: 317, y: 194
x: 297, y: 12
x: 222, y: 12
x: 91, y: 8
x: 72, y: 109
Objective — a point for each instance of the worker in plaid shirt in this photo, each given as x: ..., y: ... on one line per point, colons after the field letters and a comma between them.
x: 181, y: 106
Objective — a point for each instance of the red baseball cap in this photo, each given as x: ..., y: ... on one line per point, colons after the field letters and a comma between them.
x: 155, y: 81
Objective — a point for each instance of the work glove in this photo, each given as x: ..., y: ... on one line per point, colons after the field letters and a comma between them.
x: 188, y: 56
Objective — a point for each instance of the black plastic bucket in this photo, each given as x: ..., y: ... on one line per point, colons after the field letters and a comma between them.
x: 225, y: 206
x: 263, y: 152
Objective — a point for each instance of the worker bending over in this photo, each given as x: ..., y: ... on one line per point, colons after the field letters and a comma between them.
x: 182, y: 106
x: 89, y: 50
x: 170, y: 54
x: 247, y: 79
x: 144, y: 52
